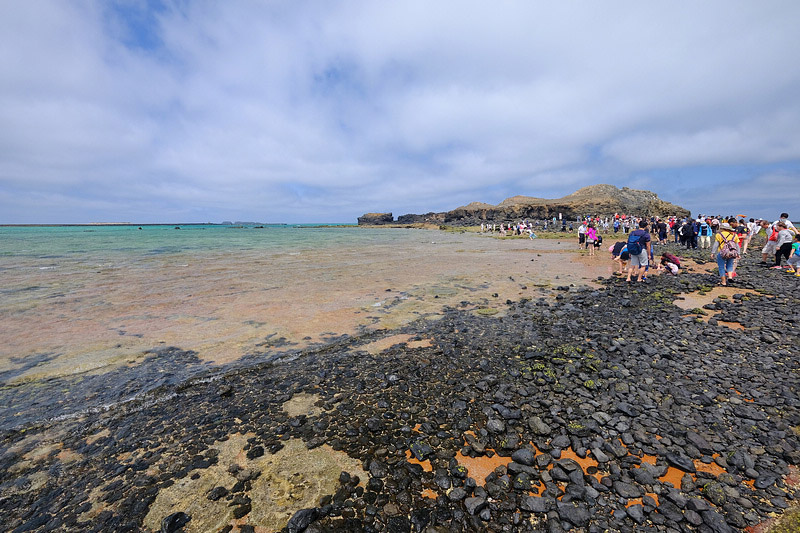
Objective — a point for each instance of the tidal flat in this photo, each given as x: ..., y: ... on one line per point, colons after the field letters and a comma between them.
x: 500, y: 399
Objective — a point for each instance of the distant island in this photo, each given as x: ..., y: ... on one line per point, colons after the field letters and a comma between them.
x: 596, y: 200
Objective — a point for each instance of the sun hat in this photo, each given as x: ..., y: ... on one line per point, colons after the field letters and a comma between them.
x: 725, y: 225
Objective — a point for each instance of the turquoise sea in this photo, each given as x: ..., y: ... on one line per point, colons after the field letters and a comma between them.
x: 126, y: 241
x: 92, y: 316
x: 94, y: 312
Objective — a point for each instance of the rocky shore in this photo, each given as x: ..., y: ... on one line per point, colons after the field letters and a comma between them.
x: 604, y: 408
x: 600, y: 200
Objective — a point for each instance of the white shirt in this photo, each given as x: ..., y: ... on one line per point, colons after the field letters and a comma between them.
x: 786, y: 221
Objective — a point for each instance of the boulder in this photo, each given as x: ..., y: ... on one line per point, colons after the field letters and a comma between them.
x: 373, y: 219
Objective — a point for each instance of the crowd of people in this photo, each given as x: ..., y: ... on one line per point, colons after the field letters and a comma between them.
x: 726, y: 239
x: 523, y: 227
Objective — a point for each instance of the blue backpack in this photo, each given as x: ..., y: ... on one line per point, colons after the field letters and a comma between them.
x: 634, y: 244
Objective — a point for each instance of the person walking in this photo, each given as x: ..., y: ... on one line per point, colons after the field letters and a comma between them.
x: 691, y: 234
x: 581, y: 235
x: 639, y: 250
x: 591, y: 237
x: 705, y: 235
x: 769, y: 247
x: 725, y: 250
x: 662, y: 231
x: 752, y: 229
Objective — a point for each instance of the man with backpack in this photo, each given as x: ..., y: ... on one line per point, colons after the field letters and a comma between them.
x: 639, y: 250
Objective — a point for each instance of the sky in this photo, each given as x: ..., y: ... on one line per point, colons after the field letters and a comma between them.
x: 317, y: 111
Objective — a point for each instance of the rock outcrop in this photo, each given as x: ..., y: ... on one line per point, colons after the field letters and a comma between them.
x: 595, y: 200
x: 371, y: 219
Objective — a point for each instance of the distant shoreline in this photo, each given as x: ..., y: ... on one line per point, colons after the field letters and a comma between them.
x: 133, y: 224
x: 95, y: 224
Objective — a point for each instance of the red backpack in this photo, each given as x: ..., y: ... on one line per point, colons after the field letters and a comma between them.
x: 672, y: 258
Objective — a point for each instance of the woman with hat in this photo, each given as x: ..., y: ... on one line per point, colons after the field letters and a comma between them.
x: 725, y: 235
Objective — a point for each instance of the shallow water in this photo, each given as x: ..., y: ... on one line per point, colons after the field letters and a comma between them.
x: 87, y: 308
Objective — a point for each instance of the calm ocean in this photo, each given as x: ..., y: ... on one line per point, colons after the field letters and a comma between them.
x: 94, y: 315
x: 91, y: 316
x: 128, y: 243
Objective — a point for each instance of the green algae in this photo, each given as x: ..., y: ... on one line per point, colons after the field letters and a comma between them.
x: 788, y: 523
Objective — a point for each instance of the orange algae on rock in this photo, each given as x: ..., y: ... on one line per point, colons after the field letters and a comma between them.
x: 674, y: 476
x: 710, y: 468
x: 480, y: 467
x: 640, y: 501
x: 649, y: 459
x: 428, y: 493
x: 584, y: 462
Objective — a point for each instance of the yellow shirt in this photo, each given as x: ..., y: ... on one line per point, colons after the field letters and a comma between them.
x: 728, y: 236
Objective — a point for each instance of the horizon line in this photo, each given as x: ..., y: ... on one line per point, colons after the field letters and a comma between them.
x: 94, y: 224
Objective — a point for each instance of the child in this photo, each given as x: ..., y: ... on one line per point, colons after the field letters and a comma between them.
x: 671, y: 263
x: 783, y: 246
x: 794, y: 259
x: 599, y: 242
x: 620, y: 256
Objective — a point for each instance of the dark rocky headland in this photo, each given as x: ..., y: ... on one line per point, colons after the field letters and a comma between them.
x: 595, y: 200
x: 605, y: 409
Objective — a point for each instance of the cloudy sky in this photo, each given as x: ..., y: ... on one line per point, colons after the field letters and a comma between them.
x: 319, y: 111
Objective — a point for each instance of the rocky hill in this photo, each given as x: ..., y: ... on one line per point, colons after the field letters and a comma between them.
x: 596, y: 200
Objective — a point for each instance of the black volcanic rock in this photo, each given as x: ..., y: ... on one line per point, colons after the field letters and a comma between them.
x: 686, y: 395
x: 375, y: 219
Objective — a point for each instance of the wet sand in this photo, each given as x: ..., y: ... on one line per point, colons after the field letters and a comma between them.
x: 223, y: 307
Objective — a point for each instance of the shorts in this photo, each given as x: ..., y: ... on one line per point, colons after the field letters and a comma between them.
x: 639, y: 260
x: 770, y: 248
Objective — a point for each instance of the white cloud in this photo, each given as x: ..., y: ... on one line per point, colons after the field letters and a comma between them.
x: 766, y: 195
x: 759, y: 139
x: 292, y: 108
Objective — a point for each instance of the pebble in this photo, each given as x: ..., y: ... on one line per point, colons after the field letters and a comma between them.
x: 549, y: 379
